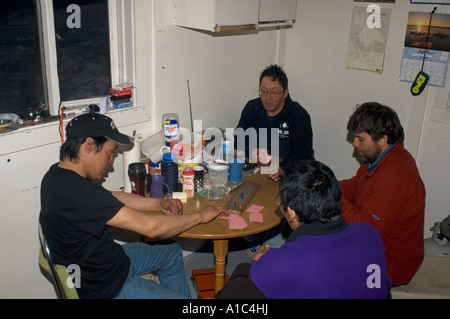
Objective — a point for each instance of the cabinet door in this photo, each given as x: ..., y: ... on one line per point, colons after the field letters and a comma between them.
x: 277, y: 11
x: 237, y: 12
x: 217, y: 15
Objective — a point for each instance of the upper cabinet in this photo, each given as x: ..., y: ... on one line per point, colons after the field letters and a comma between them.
x: 277, y: 12
x: 232, y: 15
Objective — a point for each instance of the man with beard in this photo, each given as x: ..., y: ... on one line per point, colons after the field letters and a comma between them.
x: 387, y: 190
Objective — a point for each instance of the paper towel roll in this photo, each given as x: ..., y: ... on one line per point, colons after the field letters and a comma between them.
x: 153, y: 146
x: 131, y: 156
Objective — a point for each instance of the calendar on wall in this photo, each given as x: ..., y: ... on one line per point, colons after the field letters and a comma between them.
x: 431, y: 1
x: 427, y: 46
x: 435, y: 65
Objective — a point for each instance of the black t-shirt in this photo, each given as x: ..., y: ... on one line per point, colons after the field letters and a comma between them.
x: 74, y: 213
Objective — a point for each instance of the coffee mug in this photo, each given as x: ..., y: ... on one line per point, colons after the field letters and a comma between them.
x: 157, y: 187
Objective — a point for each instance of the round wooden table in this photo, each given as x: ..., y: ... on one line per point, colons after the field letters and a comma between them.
x: 218, y: 230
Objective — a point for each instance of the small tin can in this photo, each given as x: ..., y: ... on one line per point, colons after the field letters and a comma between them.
x: 198, y: 178
x: 188, y: 182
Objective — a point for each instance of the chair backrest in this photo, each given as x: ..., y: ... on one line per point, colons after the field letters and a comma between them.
x: 58, y: 273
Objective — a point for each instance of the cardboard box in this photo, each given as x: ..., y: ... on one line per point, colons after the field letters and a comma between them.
x: 204, y: 282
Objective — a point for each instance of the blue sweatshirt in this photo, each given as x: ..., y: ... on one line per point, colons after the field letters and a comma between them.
x: 295, y: 136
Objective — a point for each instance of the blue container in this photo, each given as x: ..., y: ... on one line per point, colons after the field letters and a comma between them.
x: 169, y: 169
x: 235, y: 170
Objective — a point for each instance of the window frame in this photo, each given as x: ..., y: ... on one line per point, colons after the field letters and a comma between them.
x: 45, y: 14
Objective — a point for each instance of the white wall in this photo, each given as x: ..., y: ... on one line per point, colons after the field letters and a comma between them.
x: 223, y: 71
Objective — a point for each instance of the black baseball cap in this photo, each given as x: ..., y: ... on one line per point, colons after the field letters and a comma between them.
x: 96, y: 125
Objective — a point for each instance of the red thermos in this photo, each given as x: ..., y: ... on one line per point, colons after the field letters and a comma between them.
x: 137, y: 174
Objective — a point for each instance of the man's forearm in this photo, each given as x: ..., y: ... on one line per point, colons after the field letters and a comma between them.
x: 168, y: 226
x: 138, y: 202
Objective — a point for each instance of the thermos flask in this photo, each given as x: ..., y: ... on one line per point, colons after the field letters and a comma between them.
x: 137, y: 174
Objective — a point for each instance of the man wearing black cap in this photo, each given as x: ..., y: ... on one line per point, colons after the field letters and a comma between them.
x: 76, y: 216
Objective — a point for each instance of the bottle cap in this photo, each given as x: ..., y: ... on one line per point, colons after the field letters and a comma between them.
x: 188, y: 171
x: 168, y: 157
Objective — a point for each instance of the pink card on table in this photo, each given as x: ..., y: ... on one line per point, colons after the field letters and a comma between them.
x: 256, y: 217
x: 236, y: 222
x: 255, y: 208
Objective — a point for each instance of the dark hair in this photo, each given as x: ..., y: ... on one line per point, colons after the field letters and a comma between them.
x: 376, y: 120
x: 69, y: 150
x: 311, y: 190
x: 277, y: 73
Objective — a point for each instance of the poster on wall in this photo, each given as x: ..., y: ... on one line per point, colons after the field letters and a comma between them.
x: 420, y: 35
x: 426, y: 46
x: 367, y: 43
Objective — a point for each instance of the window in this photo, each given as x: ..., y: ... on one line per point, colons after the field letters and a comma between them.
x: 82, y: 49
x: 22, y: 77
x: 37, y: 74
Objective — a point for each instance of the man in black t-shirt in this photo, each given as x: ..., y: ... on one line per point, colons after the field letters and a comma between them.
x: 76, y: 216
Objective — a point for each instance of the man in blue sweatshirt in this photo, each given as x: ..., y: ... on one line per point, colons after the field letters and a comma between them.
x: 283, y: 130
x: 274, y: 109
x: 324, y: 257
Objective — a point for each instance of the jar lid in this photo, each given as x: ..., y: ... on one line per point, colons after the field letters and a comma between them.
x: 217, y: 167
x: 154, y: 164
x: 188, y: 171
x: 168, y: 157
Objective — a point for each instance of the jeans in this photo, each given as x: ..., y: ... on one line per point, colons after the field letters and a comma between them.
x: 272, y: 237
x: 167, y: 260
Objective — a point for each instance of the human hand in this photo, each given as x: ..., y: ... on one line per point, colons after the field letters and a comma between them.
x: 171, y: 206
x: 260, y: 155
x: 261, y: 251
x: 276, y: 175
x: 211, y: 212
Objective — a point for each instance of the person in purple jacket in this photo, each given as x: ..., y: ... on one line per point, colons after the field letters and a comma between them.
x: 324, y: 257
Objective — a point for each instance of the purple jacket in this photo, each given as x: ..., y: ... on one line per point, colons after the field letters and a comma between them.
x: 332, y: 260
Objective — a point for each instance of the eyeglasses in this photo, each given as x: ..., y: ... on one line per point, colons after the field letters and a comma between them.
x: 269, y: 94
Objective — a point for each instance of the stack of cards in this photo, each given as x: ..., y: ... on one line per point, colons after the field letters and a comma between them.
x: 255, y: 215
x: 237, y: 222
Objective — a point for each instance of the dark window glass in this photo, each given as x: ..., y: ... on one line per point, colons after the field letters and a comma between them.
x: 82, y: 37
x: 83, y: 53
x: 21, y: 74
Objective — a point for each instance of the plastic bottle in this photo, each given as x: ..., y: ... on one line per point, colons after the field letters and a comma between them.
x: 170, y: 125
x: 169, y: 169
x: 188, y: 182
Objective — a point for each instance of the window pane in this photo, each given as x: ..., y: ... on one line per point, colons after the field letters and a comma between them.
x: 21, y: 78
x: 82, y: 40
